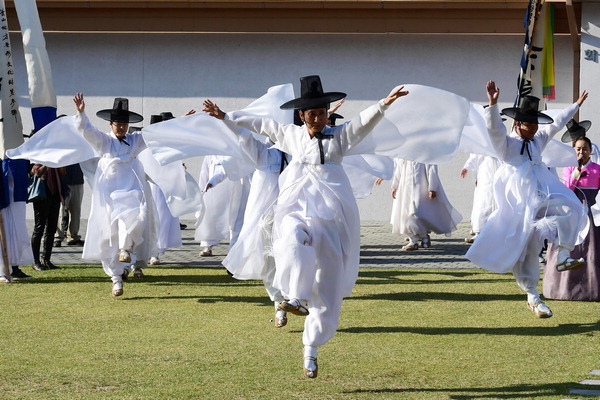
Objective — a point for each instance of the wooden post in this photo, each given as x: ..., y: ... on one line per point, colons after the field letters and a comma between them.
x: 576, y: 45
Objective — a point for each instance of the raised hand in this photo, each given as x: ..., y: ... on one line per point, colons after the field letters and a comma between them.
x: 79, y: 102
x: 336, y: 106
x: 493, y: 92
x: 394, y: 95
x: 213, y: 109
x: 189, y: 113
x: 582, y: 98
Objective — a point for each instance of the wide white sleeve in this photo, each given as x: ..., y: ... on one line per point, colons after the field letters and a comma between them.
x: 218, y: 176
x: 263, y: 126
x: 496, y: 130
x: 397, y: 172
x: 473, y: 162
x: 355, y: 130
x: 547, y: 132
x: 91, y: 134
x: 433, y: 178
x: 251, y: 147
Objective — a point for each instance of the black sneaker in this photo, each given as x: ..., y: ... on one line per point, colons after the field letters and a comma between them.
x: 17, y: 274
x: 75, y: 242
x: 182, y: 226
x: 57, y: 243
x: 48, y: 264
x: 38, y: 267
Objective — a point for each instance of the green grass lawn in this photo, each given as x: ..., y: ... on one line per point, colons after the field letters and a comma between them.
x: 195, y: 333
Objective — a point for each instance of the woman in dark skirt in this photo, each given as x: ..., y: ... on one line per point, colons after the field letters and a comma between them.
x: 581, y: 284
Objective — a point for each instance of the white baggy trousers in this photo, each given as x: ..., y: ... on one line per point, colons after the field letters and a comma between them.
x: 309, y: 251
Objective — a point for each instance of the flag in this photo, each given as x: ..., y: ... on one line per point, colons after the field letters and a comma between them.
x: 39, y: 74
x: 535, y: 68
x: 11, y: 134
x: 548, y: 54
x: 11, y: 126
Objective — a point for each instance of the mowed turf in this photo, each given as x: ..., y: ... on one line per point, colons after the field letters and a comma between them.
x: 196, y: 333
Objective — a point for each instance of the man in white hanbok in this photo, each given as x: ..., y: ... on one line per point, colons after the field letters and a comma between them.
x: 122, y: 227
x: 420, y: 204
x: 225, y: 199
x: 316, y: 231
x: 575, y: 130
x: 485, y: 168
x: 250, y: 256
x: 169, y: 232
x: 533, y: 204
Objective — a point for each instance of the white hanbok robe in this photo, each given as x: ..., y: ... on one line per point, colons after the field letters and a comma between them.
x: 413, y: 213
x: 122, y: 215
x: 533, y: 205
x: 169, y: 231
x: 316, y: 231
x: 250, y: 257
x: 222, y: 216
x: 485, y: 168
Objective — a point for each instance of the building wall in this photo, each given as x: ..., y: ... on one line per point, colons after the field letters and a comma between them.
x: 175, y: 72
x: 590, y: 65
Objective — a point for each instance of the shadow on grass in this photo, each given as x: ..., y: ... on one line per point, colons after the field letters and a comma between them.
x: 560, y: 330
x: 445, y: 241
x: 384, y: 276
x: 256, y: 300
x: 377, y: 273
x: 426, y: 296
x: 503, y: 392
x: 222, y: 279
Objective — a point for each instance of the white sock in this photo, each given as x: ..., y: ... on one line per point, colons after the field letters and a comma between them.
x: 298, y: 302
x: 310, y: 351
x: 533, y: 297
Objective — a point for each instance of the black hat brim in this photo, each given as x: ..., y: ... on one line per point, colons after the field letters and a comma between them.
x: 308, y: 103
x: 569, y: 136
x: 130, y: 117
x: 516, y: 114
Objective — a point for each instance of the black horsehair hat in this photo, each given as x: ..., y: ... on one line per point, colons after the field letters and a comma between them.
x: 312, y: 95
x: 163, y: 116
x: 155, y: 118
x: 120, y: 112
x: 575, y: 130
x: 166, y: 115
x: 528, y: 112
x: 332, y: 117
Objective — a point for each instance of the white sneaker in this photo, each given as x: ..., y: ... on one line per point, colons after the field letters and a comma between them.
x: 410, y: 247
x: 294, y: 306
x: 565, y: 263
x: 4, y: 279
x: 137, y: 273
x: 124, y: 256
x: 311, y: 366
x: 154, y: 261
x: 426, y: 242
x: 280, y: 318
x: 117, y: 289
x: 540, y: 309
x: 206, y: 252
